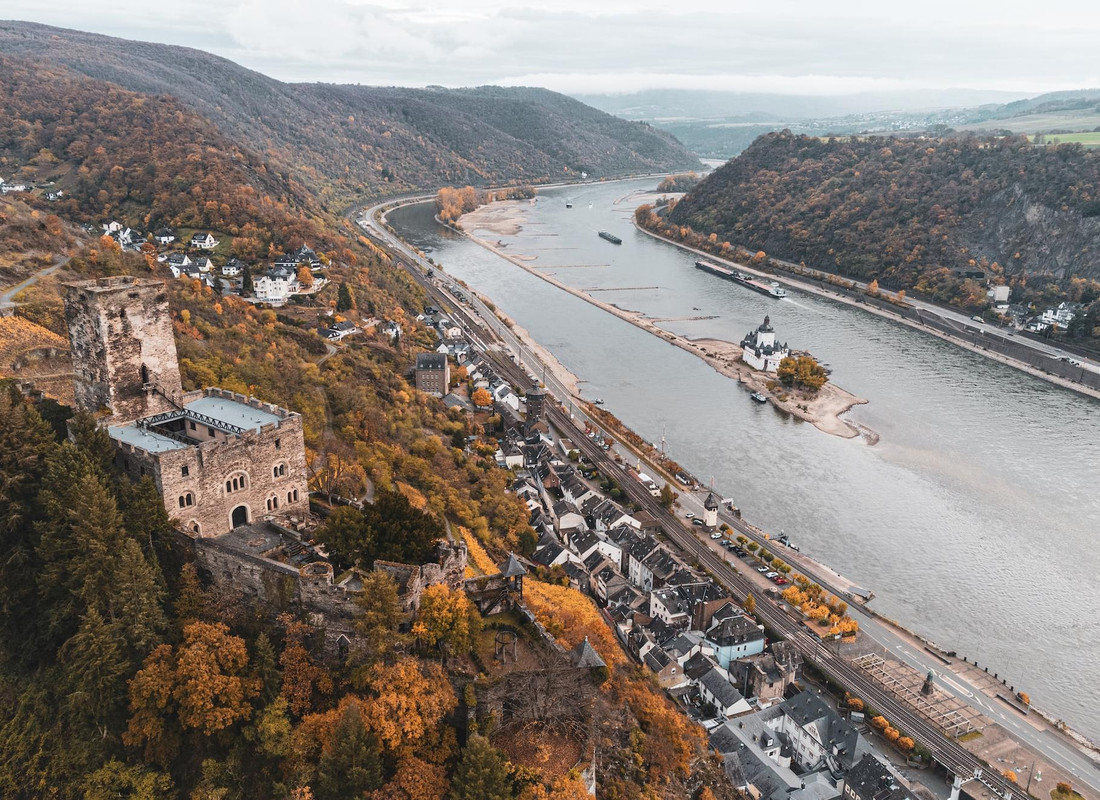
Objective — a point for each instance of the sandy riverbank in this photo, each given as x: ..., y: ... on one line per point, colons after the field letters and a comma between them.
x: 503, y: 218
x: 822, y: 411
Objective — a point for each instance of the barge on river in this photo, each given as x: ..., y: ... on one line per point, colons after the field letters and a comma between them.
x: 610, y: 237
x: 772, y: 289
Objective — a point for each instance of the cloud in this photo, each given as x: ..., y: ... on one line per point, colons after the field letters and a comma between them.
x: 788, y: 46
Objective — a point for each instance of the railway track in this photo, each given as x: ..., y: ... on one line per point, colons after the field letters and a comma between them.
x: 946, y: 752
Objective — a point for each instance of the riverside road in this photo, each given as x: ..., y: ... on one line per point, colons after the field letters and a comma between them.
x: 486, y: 326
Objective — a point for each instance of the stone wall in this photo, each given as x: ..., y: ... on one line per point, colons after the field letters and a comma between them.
x: 120, y: 331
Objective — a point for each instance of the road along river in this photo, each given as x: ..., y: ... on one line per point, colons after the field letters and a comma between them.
x: 974, y: 517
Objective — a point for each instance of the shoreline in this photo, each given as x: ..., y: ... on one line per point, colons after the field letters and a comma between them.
x: 808, y: 288
x: 823, y: 411
x: 1058, y: 728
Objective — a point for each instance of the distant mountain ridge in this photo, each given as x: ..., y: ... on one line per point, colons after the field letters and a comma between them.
x: 354, y: 141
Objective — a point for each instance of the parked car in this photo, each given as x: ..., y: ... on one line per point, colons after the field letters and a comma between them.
x: 698, y: 522
x: 763, y: 569
x: 716, y: 536
x: 690, y: 515
x: 771, y: 576
x: 738, y: 550
x: 780, y: 581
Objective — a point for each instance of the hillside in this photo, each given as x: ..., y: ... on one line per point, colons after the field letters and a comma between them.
x: 907, y: 212
x: 353, y: 141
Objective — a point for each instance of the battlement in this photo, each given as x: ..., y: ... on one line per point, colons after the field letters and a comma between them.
x: 114, y: 283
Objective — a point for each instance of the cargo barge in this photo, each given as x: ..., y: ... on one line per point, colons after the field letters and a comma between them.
x: 772, y: 289
x: 610, y: 237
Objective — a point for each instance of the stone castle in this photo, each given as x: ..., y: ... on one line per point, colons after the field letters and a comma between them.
x: 220, y: 460
x: 231, y: 469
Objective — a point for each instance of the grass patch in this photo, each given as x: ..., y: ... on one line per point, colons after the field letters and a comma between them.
x: 1086, y: 138
x: 970, y: 736
x: 1071, y: 795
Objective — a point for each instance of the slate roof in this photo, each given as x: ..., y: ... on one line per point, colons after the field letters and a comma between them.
x: 724, y: 691
x: 513, y: 568
x: 547, y: 554
x: 431, y: 361
x: 734, y: 630
x: 870, y: 779
x: 585, y: 656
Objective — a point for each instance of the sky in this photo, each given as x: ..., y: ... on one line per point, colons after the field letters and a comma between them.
x: 818, y: 47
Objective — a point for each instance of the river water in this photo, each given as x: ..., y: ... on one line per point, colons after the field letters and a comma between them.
x: 975, y: 519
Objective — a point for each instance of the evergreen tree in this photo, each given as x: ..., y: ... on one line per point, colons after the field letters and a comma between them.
x: 482, y: 773
x: 95, y: 669
x: 246, y: 280
x: 82, y: 533
x: 351, y: 764
x: 344, y: 300
x: 265, y: 668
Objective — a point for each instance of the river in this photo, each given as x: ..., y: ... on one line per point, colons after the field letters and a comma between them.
x: 973, y: 519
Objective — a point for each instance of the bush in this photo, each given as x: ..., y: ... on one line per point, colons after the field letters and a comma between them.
x: 879, y: 724
x: 1064, y: 787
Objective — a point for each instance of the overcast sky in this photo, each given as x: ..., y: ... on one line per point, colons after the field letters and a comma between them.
x: 786, y: 46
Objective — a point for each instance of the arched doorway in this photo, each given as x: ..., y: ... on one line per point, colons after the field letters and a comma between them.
x: 240, y: 516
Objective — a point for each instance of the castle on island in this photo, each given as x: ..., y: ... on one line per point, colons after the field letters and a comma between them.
x: 759, y: 349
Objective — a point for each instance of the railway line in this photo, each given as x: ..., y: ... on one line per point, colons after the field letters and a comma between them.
x: 484, y: 326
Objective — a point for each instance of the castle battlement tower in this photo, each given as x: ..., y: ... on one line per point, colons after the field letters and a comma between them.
x: 123, y: 353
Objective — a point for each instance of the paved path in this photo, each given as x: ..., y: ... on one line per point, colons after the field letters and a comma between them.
x: 6, y: 301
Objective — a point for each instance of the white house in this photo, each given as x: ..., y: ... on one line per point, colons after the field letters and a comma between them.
x: 716, y: 690
x: 164, y: 236
x: 275, y: 286
x: 1061, y: 316
x: 759, y: 350
x: 232, y: 268
x: 204, y: 241
x: 204, y: 265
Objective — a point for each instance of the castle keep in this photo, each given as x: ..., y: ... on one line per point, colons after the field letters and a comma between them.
x: 220, y: 460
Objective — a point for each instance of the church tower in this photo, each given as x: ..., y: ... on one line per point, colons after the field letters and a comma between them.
x: 123, y: 353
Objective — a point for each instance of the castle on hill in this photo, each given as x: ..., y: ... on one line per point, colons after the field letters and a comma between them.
x: 759, y: 349
x: 220, y: 460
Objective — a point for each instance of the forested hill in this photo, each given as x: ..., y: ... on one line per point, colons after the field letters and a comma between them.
x: 908, y: 211
x: 353, y: 140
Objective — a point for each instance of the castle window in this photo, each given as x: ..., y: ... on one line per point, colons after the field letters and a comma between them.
x: 236, y: 482
x: 212, y: 432
x: 277, y: 443
x: 192, y: 424
x: 186, y: 500
x: 184, y: 471
x: 144, y: 374
x: 272, y: 503
x: 295, y: 493
x: 195, y: 528
x: 278, y: 471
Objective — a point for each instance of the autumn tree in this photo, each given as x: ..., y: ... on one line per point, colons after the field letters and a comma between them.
x: 750, y: 604
x: 200, y: 685
x: 302, y: 677
x: 482, y: 398
x: 415, y: 779
x: 408, y: 701
x: 305, y: 276
x: 447, y: 618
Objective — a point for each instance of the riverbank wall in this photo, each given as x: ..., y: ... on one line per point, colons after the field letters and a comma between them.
x: 999, y: 348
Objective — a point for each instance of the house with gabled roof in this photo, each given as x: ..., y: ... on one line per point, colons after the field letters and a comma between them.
x: 204, y: 240
x: 734, y: 638
x: 716, y: 690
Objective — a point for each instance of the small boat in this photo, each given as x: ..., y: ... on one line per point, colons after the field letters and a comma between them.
x: 597, y: 402
x: 775, y: 290
x: 610, y: 237
x: 759, y: 397
x: 568, y: 203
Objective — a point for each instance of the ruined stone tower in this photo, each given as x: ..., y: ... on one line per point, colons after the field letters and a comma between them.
x: 123, y: 353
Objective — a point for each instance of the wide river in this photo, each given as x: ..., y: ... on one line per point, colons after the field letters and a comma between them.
x: 975, y: 519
